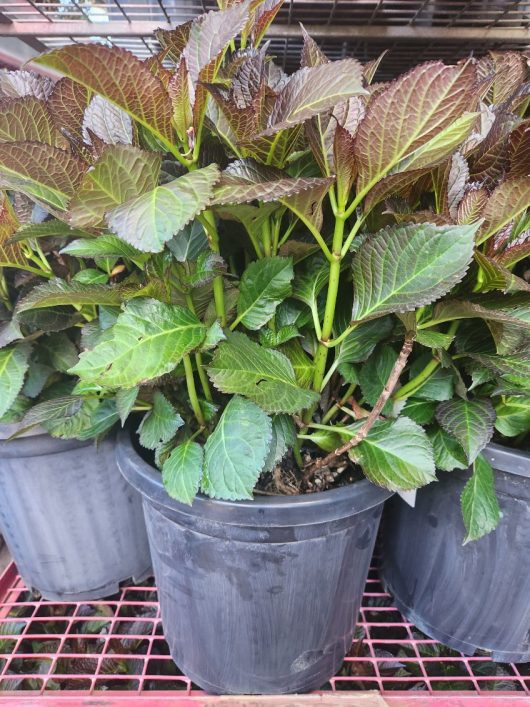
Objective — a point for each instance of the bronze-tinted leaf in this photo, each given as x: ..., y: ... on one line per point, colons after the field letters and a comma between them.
x: 307, y: 204
x: 209, y: 35
x: 472, y: 204
x: 498, y: 277
x: 456, y: 182
x: 411, y: 111
x: 28, y: 119
x: 393, y: 184
x: 490, y: 159
x: 510, y: 70
x: 67, y: 104
x: 108, y: 122
x: 9, y: 254
x: 247, y: 180
x: 314, y: 90
x: 181, y: 93
x: 516, y: 250
x: 42, y: 172
x: 370, y: 68
x: 519, y: 149
x: 174, y: 40
x: 506, y: 202
x: 312, y: 55
x: 262, y: 17
x: 121, y: 78
x: 15, y: 84
x: 122, y: 173
x: 345, y: 165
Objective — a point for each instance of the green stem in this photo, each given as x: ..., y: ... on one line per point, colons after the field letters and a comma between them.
x: 418, y: 381
x: 331, y: 303
x: 205, y: 383
x: 218, y: 287
x: 351, y: 235
x: 266, y: 233
x: 335, y: 408
x: 192, y: 391
x: 335, y: 342
x: 27, y: 268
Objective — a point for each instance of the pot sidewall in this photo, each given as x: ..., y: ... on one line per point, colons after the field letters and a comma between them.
x: 472, y: 596
x: 258, y: 597
x: 74, y: 527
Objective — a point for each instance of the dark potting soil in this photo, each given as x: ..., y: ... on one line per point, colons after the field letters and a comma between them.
x: 287, y: 479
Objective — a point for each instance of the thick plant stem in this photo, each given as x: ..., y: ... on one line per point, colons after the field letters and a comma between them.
x: 218, y: 286
x: 331, y: 303
x: 205, y: 383
x: 192, y: 391
x: 423, y: 376
x: 372, y: 418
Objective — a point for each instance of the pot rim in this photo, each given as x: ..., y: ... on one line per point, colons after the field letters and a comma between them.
x: 339, y: 502
x: 510, y: 461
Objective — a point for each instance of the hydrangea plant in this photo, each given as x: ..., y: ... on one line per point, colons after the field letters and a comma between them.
x: 287, y: 271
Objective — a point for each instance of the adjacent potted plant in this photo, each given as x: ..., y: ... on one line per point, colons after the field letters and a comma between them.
x: 473, y: 397
x: 73, y: 526
x: 279, y: 301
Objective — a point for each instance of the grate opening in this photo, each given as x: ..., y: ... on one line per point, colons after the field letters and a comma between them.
x: 117, y: 646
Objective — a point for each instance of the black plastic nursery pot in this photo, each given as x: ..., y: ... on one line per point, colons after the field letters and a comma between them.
x: 73, y: 525
x: 258, y: 597
x: 466, y: 596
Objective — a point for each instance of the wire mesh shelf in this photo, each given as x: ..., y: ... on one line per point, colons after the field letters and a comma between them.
x: 413, y: 30
x: 117, y: 647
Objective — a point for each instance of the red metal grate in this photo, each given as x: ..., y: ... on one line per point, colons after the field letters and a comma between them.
x: 117, y: 647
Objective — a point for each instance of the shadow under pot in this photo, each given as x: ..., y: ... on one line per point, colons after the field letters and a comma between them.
x: 473, y: 596
x: 258, y: 597
x: 73, y: 526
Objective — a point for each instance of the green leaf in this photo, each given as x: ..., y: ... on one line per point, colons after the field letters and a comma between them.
x: 513, y: 415
x: 434, y: 339
x: 57, y: 351
x: 103, y: 417
x: 408, y: 113
x: 265, y: 376
x: 374, y: 375
x: 121, y: 78
x: 264, y: 284
x: 438, y: 386
x: 448, y: 453
x: 125, y: 399
x: 58, y: 292
x: 149, y: 220
x: 55, y: 409
x: 189, y: 243
x: 236, y: 450
x: 44, y: 173
x: 314, y: 90
x: 273, y: 339
x: 104, y: 246
x: 182, y: 471
x: 512, y: 309
x: 396, y: 455
x: 14, y: 362
x: 91, y: 276
x: 497, y: 277
x: 283, y: 439
x: 36, y: 378
x: 122, y: 173
x: 480, y: 508
x: 160, y: 424
x: 469, y: 421
x: 404, y: 267
x: 420, y: 411
x: 302, y: 365
x: 53, y: 228
x: 148, y: 340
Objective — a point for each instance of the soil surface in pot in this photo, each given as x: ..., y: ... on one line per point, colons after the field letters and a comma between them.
x: 287, y: 478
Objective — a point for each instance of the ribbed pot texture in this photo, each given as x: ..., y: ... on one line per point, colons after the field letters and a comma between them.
x: 73, y: 525
x: 472, y: 596
x: 258, y: 597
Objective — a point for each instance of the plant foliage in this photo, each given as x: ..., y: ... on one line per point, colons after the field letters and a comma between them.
x: 273, y: 270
